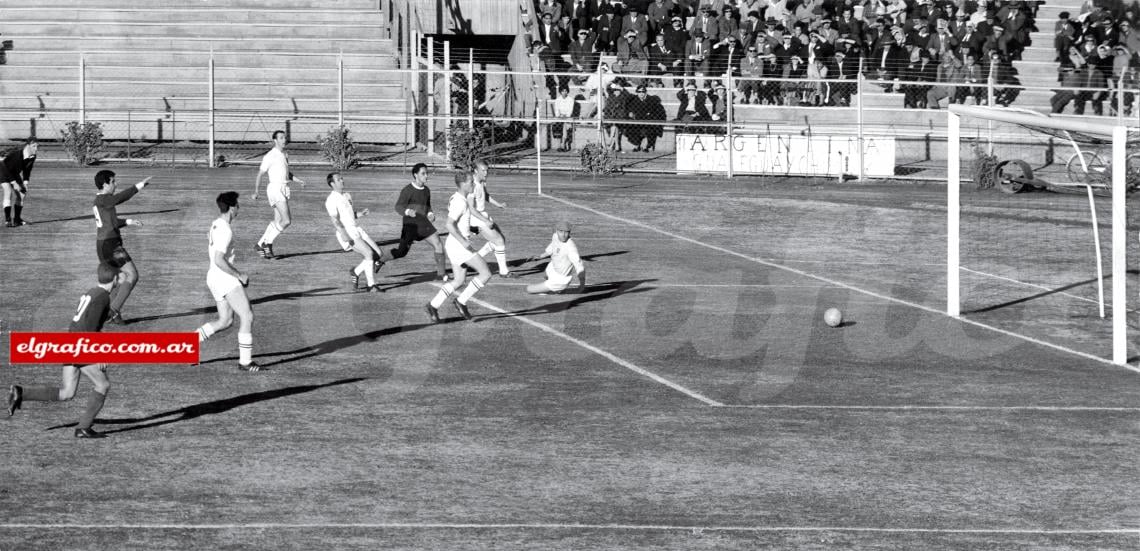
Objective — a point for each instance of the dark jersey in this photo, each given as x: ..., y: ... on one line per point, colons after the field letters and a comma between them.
x: 107, y: 221
x: 418, y: 200
x: 16, y: 168
x: 92, y: 311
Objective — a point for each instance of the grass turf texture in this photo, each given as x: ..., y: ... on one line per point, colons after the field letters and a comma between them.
x: 373, y: 428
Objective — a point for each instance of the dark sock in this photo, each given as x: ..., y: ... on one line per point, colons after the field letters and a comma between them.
x: 7, y: 214
x: 120, y: 294
x: 40, y: 393
x: 440, y: 265
x: 94, y: 405
x: 16, y: 210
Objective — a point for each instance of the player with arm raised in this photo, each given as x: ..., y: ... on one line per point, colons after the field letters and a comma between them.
x: 94, y: 307
x: 275, y: 164
x: 340, y: 210
x: 15, y: 175
x: 564, y: 258
x: 482, y: 223
x: 108, y: 240
x: 461, y: 252
x: 414, y: 205
x: 227, y: 284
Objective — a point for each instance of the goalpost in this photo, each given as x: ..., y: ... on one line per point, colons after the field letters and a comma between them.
x: 1014, y: 220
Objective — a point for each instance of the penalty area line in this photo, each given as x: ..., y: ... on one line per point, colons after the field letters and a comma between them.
x: 829, y: 281
x: 568, y: 526
x: 607, y: 355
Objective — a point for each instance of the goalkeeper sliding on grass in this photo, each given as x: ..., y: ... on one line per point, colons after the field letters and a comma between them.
x: 564, y: 258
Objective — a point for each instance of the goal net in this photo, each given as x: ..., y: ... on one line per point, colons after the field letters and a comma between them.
x: 1040, y: 229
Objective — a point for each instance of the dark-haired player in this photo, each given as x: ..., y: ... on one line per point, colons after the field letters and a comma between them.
x: 339, y: 207
x: 414, y: 204
x: 227, y: 284
x: 94, y: 306
x: 108, y: 241
x: 15, y: 175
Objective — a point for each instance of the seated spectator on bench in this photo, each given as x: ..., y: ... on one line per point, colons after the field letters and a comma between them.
x: 751, y: 75
x: 644, y: 107
x: 565, y: 110
x: 632, y: 58
x: 614, y: 112
x: 694, y: 104
x: 664, y: 63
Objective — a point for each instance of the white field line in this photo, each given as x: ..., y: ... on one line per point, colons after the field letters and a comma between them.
x: 1097, y: 409
x: 565, y: 526
x: 840, y: 284
x: 639, y: 370
x: 1032, y: 285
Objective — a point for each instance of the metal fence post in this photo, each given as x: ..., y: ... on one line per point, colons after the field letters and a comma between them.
x: 600, y: 91
x: 447, y: 95
x: 340, y: 88
x: 728, y: 115
x: 859, y: 122
x: 431, y: 95
x: 82, y: 88
x: 212, y: 134
x: 471, y: 88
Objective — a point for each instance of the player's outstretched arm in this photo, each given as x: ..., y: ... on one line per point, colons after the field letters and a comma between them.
x: 143, y: 183
x: 257, y: 183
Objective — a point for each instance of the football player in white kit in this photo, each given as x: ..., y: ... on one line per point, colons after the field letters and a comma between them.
x: 484, y: 225
x: 564, y: 258
x: 227, y: 284
x: 460, y: 252
x: 276, y: 165
x: 339, y: 206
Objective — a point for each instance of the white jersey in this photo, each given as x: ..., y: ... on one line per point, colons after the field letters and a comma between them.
x: 457, y: 210
x: 221, y: 240
x: 479, y: 193
x: 563, y: 258
x: 339, y: 206
x: 276, y: 164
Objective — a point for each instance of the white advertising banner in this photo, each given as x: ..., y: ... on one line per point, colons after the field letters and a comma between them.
x: 785, y: 155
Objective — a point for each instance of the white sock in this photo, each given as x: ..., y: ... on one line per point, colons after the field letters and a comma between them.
x: 271, y: 233
x: 470, y: 290
x: 501, y: 258
x: 442, y: 295
x: 245, y: 348
x: 205, y: 332
x: 366, y: 267
x: 486, y: 248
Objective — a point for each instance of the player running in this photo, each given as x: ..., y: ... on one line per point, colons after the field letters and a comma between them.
x: 15, y: 175
x: 414, y: 205
x: 227, y: 284
x: 276, y: 165
x: 108, y: 240
x: 482, y: 223
x: 94, y: 307
x: 460, y: 252
x: 339, y: 206
x: 563, y: 254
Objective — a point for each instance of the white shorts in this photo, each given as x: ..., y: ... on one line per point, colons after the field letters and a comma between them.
x: 277, y: 193
x: 221, y: 284
x: 455, y: 251
x: 477, y: 223
x: 557, y: 282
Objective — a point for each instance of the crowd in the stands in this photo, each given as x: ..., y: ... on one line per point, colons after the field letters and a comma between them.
x: 933, y: 52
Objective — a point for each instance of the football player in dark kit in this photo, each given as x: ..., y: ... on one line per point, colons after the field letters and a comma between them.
x: 108, y: 241
x: 15, y: 174
x: 93, y: 310
x: 414, y: 204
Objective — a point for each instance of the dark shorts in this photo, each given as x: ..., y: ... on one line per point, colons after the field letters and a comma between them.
x: 418, y: 229
x: 112, y: 252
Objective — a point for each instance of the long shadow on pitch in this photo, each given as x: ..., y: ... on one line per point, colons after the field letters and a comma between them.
x: 210, y: 408
x: 259, y: 300
x: 92, y: 216
x: 310, y: 253
x: 591, y: 293
x: 411, y: 278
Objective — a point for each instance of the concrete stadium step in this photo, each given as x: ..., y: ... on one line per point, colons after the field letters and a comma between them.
x: 23, y: 61
x: 232, y: 4
x: 197, y: 86
x: 199, y: 73
x: 205, y: 29
x: 164, y: 131
x: 183, y: 15
x: 34, y: 106
x: 143, y: 44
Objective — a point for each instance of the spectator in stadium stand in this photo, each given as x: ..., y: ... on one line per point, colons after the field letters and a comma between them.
x: 1066, y: 33
x: 582, y: 56
x: 542, y: 65
x: 848, y: 24
x: 615, y: 110
x: 1006, y: 84
x: 566, y: 110
x: 1013, y: 17
x: 726, y: 24
x: 748, y: 7
x: 818, y: 47
x: 974, y: 82
x: 727, y: 59
x: 770, y: 89
x: 1097, y: 71
x: 826, y: 32
x: 949, y: 75
x: 582, y: 13
x: 793, y: 87
x: 697, y: 57
x: 632, y: 57
x: 801, y: 12
x: 645, y: 107
x: 842, y: 69
x: 718, y: 105
x: 941, y: 39
x: 920, y: 70
x: 748, y: 30
x: 693, y: 105
x: 550, y: 35
x: 751, y: 75
x: 1127, y: 37
x: 1071, y: 78
x: 971, y: 40
x: 676, y: 37
x: 566, y: 33
x: 663, y: 62
x: 607, y: 30
x: 659, y: 13
x: 1129, y: 82
x: 552, y: 7
x: 596, y: 85
x: 637, y: 22
x: 707, y: 25
x: 772, y: 36
x: 818, y: 73
x: 886, y: 62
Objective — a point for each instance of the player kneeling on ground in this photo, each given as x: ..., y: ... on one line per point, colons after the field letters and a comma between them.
x: 228, y: 285
x: 563, y: 254
x: 94, y: 309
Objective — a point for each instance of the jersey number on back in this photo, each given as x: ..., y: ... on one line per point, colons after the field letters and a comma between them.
x: 84, y: 301
x: 98, y: 220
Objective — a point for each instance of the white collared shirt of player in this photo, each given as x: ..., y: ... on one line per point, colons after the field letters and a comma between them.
x: 276, y: 165
x: 339, y: 205
x: 221, y: 240
x: 457, y: 210
x: 564, y: 259
x: 479, y: 193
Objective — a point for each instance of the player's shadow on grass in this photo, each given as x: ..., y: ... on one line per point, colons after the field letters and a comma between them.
x: 592, y: 293
x: 411, y: 278
x: 92, y: 216
x: 210, y: 408
x: 310, y: 253
x: 259, y: 300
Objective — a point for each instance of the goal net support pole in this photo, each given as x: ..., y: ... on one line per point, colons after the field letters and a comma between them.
x: 1118, y: 134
